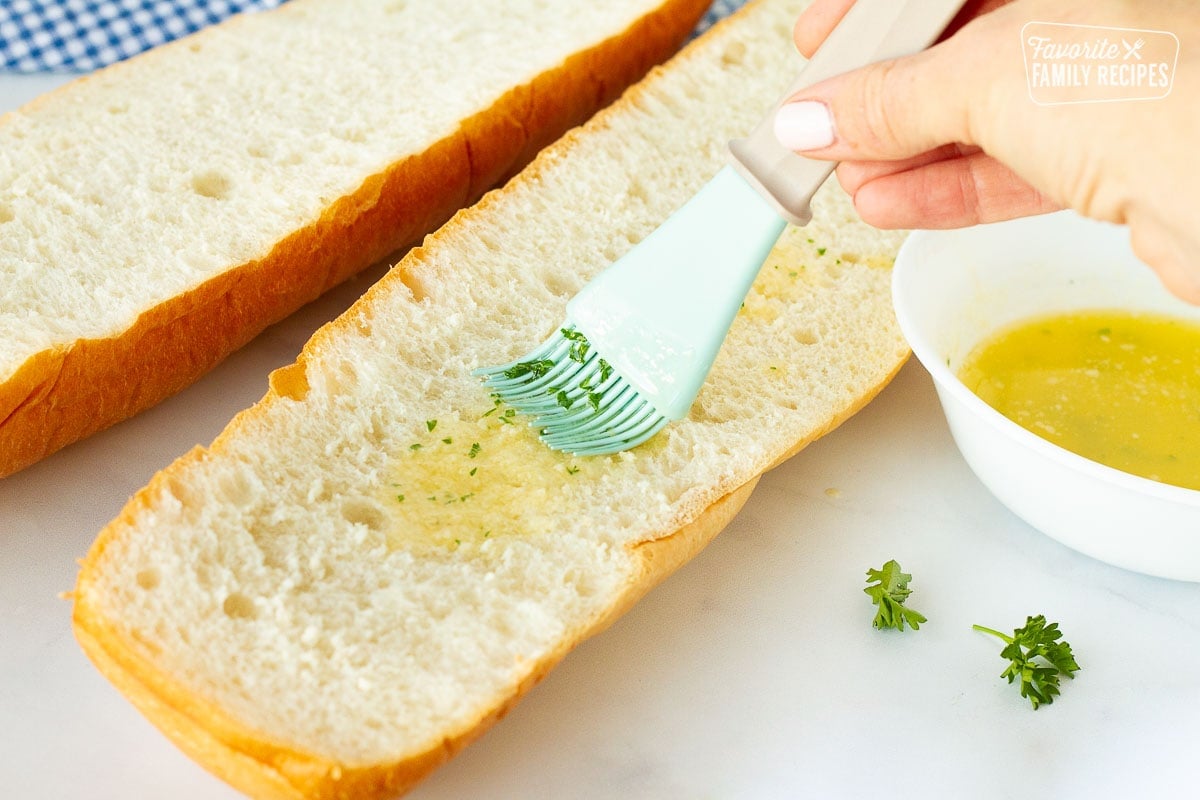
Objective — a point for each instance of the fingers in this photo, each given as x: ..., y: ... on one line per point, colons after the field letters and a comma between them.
x: 854, y: 174
x: 887, y: 111
x: 815, y: 23
x: 948, y: 193
x: 820, y: 18
x: 1168, y: 253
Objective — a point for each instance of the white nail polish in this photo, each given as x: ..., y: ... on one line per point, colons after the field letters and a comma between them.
x: 806, y: 125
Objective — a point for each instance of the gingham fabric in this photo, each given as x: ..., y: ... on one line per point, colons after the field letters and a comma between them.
x: 719, y: 10
x: 83, y: 35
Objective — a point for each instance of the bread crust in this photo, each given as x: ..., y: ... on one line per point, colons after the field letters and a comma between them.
x: 269, y: 770
x: 64, y: 394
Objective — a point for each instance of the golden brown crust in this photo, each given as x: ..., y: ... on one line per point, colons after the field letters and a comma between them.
x: 62, y: 395
x: 252, y: 763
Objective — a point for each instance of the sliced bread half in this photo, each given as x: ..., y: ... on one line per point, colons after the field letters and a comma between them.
x: 157, y: 215
x: 372, y: 564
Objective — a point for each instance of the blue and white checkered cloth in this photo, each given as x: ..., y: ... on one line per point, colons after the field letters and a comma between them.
x: 719, y: 10
x: 83, y: 35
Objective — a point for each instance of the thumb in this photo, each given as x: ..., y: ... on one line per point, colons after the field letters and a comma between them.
x: 886, y: 111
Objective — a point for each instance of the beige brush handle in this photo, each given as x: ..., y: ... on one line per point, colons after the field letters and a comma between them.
x: 872, y: 30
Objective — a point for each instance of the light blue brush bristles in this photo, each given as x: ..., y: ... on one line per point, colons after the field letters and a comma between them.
x: 576, y: 399
x: 641, y: 337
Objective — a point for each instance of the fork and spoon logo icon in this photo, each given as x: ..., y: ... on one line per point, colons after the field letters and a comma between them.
x: 1133, y: 50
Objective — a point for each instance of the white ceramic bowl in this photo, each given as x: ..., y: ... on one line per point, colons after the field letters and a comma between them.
x: 953, y: 288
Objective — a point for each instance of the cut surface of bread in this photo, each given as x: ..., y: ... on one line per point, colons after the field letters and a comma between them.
x: 157, y: 215
x: 371, y: 565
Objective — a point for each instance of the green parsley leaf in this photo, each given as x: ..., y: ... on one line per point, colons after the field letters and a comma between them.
x: 564, y: 400
x: 534, y: 368
x: 447, y: 440
x: 820, y: 251
x: 579, y: 348
x: 571, y: 470
x: 494, y: 407
x: 415, y: 447
x: 430, y: 424
x: 400, y: 498
x: 474, y: 451
x: 606, y: 370
x: 889, y: 591
x: 1037, y: 657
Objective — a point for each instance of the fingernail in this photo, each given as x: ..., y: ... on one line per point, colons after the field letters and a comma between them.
x: 805, y: 125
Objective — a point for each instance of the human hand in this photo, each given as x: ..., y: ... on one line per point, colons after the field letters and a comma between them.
x: 950, y: 137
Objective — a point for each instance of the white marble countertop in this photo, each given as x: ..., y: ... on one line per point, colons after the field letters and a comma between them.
x: 752, y: 673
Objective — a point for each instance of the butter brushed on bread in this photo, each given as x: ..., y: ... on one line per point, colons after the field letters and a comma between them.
x: 157, y: 215
x: 371, y: 565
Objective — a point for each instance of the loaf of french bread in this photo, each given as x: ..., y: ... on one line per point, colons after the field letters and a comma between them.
x: 157, y: 215
x: 371, y: 565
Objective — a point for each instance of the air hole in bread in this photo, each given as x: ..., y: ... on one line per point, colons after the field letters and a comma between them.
x: 364, y: 512
x: 806, y: 336
x: 412, y: 283
x: 700, y: 413
x: 179, y: 488
x: 239, y: 606
x: 290, y: 382
x: 258, y: 150
x: 117, y: 108
x: 6, y: 213
x: 637, y: 190
x: 149, y: 578
x: 235, y: 490
x: 560, y: 284
x: 346, y: 134
x: 212, y: 184
x: 734, y: 53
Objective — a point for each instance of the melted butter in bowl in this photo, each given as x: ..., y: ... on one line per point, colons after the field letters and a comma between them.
x: 956, y: 290
x: 1117, y: 387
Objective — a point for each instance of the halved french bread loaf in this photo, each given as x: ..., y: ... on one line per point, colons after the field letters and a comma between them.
x: 372, y: 564
x: 157, y: 215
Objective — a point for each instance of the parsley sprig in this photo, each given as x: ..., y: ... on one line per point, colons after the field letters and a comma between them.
x: 1037, y: 657
x: 888, y: 589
